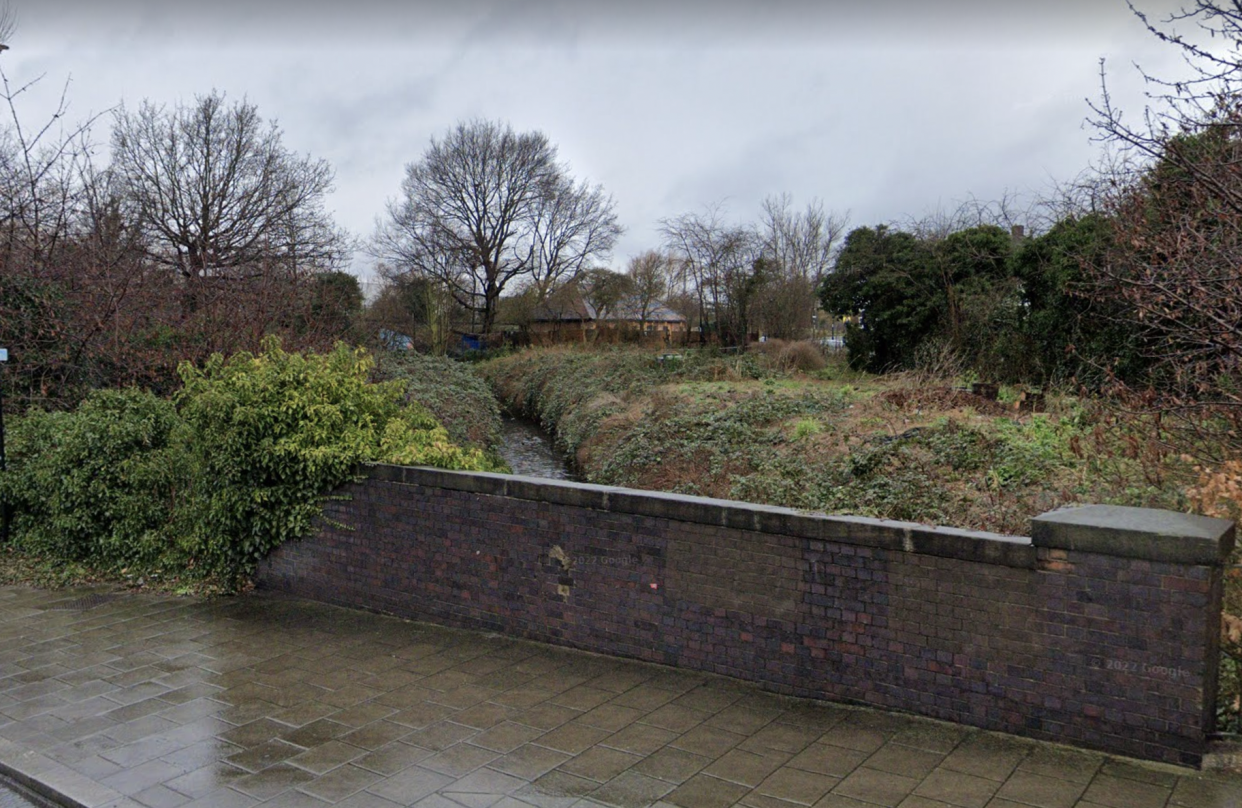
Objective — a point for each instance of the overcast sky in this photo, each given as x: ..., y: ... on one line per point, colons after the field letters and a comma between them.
x: 887, y: 110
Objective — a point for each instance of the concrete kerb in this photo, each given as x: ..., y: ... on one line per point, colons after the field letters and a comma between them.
x: 26, y: 796
x: 55, y: 782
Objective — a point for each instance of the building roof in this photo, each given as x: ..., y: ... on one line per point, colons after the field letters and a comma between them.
x: 627, y: 310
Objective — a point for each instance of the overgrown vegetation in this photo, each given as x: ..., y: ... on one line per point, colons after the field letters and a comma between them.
x: 458, y: 397
x: 205, y: 236
x: 899, y: 447
x: 202, y: 487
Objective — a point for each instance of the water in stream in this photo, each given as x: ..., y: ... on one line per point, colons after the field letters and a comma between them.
x: 529, y: 451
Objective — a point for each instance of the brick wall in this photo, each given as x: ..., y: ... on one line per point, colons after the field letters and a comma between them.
x: 1100, y: 630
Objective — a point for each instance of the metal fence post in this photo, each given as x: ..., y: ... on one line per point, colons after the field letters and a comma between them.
x: 4, y: 503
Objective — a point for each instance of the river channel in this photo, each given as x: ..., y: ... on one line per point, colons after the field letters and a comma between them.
x: 529, y: 451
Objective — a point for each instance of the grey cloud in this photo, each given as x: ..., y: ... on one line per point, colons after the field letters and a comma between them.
x: 539, y: 21
x: 888, y: 108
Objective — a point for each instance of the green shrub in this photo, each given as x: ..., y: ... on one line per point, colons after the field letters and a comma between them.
x: 275, y: 432
x: 206, y: 485
x: 1027, y: 452
x: 104, y: 483
x: 806, y: 428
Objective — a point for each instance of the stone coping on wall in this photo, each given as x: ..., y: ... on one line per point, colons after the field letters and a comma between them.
x: 1138, y: 533
x: 968, y: 545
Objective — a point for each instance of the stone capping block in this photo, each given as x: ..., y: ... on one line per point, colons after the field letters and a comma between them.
x: 966, y: 545
x: 1142, y: 533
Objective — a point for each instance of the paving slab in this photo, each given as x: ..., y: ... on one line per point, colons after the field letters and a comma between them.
x: 122, y: 700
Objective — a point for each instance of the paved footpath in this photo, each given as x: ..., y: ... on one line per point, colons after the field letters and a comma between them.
x: 128, y: 700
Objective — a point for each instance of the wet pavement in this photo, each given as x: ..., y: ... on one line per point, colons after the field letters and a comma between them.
x: 129, y: 700
x: 14, y: 796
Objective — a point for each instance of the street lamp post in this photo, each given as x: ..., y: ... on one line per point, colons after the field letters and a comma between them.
x: 4, y: 503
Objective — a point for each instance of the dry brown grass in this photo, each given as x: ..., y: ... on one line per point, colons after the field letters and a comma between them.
x: 791, y: 357
x: 940, y: 399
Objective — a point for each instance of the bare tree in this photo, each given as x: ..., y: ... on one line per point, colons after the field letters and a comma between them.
x: 1083, y: 195
x: 649, y: 279
x: 803, y: 243
x: 73, y: 292
x: 1175, y: 200
x: 800, y: 247
x: 486, y: 208
x: 718, y: 262
x: 1215, y: 71
x: 43, y: 169
x: 691, y: 241
x: 82, y: 305
x: 217, y: 195
x: 1208, y: 98
x: 1006, y: 212
x: 8, y: 25
x: 567, y: 231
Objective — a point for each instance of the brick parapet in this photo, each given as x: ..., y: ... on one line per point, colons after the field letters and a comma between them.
x: 1051, y: 639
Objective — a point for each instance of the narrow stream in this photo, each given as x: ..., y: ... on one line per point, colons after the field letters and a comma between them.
x: 529, y: 451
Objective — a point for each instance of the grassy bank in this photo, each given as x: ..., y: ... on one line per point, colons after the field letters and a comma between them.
x: 459, y: 398
x: 898, y: 447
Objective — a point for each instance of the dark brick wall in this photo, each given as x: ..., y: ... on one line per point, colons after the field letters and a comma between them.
x: 1105, y: 651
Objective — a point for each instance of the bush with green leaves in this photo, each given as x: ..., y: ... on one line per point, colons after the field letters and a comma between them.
x: 276, y: 431
x: 108, y: 483
x: 207, y: 485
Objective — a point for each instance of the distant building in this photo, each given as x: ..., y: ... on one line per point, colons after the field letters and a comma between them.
x: 577, y: 320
